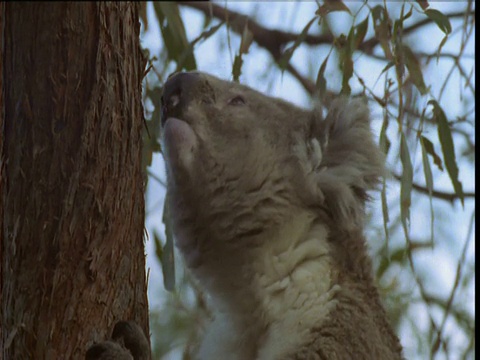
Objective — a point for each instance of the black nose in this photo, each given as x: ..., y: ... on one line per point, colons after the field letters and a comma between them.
x: 177, y: 93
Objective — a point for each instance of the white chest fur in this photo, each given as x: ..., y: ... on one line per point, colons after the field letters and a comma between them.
x: 293, y: 291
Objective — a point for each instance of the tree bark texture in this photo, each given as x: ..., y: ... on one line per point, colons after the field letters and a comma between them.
x: 72, y: 217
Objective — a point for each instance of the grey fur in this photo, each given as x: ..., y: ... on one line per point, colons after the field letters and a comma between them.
x: 267, y: 201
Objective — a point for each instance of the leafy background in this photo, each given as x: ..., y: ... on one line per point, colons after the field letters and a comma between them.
x: 415, y: 62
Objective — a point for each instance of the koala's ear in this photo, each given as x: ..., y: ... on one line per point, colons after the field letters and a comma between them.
x: 344, y: 161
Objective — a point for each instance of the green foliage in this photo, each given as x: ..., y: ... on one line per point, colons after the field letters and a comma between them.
x: 427, y: 170
x: 446, y: 140
x: 440, y: 19
x: 360, y: 32
x: 288, y: 53
x: 428, y: 145
x: 384, y: 143
x: 321, y: 83
x: 331, y: 6
x: 382, y: 26
x: 415, y: 70
x: 382, y: 51
x: 247, y: 39
x: 174, y: 36
x: 406, y: 184
x: 346, y: 61
x: 150, y: 142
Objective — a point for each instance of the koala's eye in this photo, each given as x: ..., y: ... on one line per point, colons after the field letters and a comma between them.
x: 237, y: 100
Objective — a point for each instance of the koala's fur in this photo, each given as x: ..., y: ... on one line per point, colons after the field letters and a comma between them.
x: 267, y: 203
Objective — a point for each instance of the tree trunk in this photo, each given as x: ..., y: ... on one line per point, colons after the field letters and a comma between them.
x: 72, y: 207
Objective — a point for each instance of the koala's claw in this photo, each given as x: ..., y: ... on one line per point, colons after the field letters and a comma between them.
x: 128, y: 343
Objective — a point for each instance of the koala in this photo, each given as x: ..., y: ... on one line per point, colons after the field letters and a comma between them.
x: 268, y: 206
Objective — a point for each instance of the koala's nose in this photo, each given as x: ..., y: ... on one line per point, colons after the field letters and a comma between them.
x: 177, y: 93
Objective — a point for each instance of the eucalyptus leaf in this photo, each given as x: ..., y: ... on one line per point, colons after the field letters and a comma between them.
x: 174, y: 35
x: 332, y: 6
x: 321, y: 82
x: 440, y: 19
x: 448, y: 150
x: 360, y: 32
x: 414, y: 69
x: 429, y: 148
x: 405, y: 184
x: 429, y: 181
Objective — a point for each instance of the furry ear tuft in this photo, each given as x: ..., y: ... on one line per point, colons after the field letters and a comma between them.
x: 344, y: 161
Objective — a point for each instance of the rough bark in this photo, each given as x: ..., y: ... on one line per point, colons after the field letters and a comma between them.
x: 72, y: 252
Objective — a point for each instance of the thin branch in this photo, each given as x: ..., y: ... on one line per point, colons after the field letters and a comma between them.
x: 421, y: 287
x: 463, y: 45
x: 443, y: 54
x: 462, y: 317
x: 274, y: 40
x: 307, y: 84
x: 467, y: 77
x: 156, y: 178
x: 368, y: 45
x: 450, y: 197
x: 458, y: 276
x: 271, y: 39
x: 426, y: 56
x: 414, y: 113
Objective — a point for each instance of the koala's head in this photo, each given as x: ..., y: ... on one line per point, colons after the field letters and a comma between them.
x: 239, y: 162
x: 210, y: 122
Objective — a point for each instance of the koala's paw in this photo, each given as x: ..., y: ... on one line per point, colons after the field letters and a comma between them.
x: 108, y: 350
x: 128, y: 343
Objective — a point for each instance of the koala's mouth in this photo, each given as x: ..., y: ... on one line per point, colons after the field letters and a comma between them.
x: 178, y: 131
x: 180, y: 143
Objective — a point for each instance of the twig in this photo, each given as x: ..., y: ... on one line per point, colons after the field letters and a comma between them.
x: 450, y: 197
x: 458, y: 275
x: 274, y: 40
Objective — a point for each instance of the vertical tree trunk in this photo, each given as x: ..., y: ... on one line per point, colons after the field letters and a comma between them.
x: 72, y: 207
